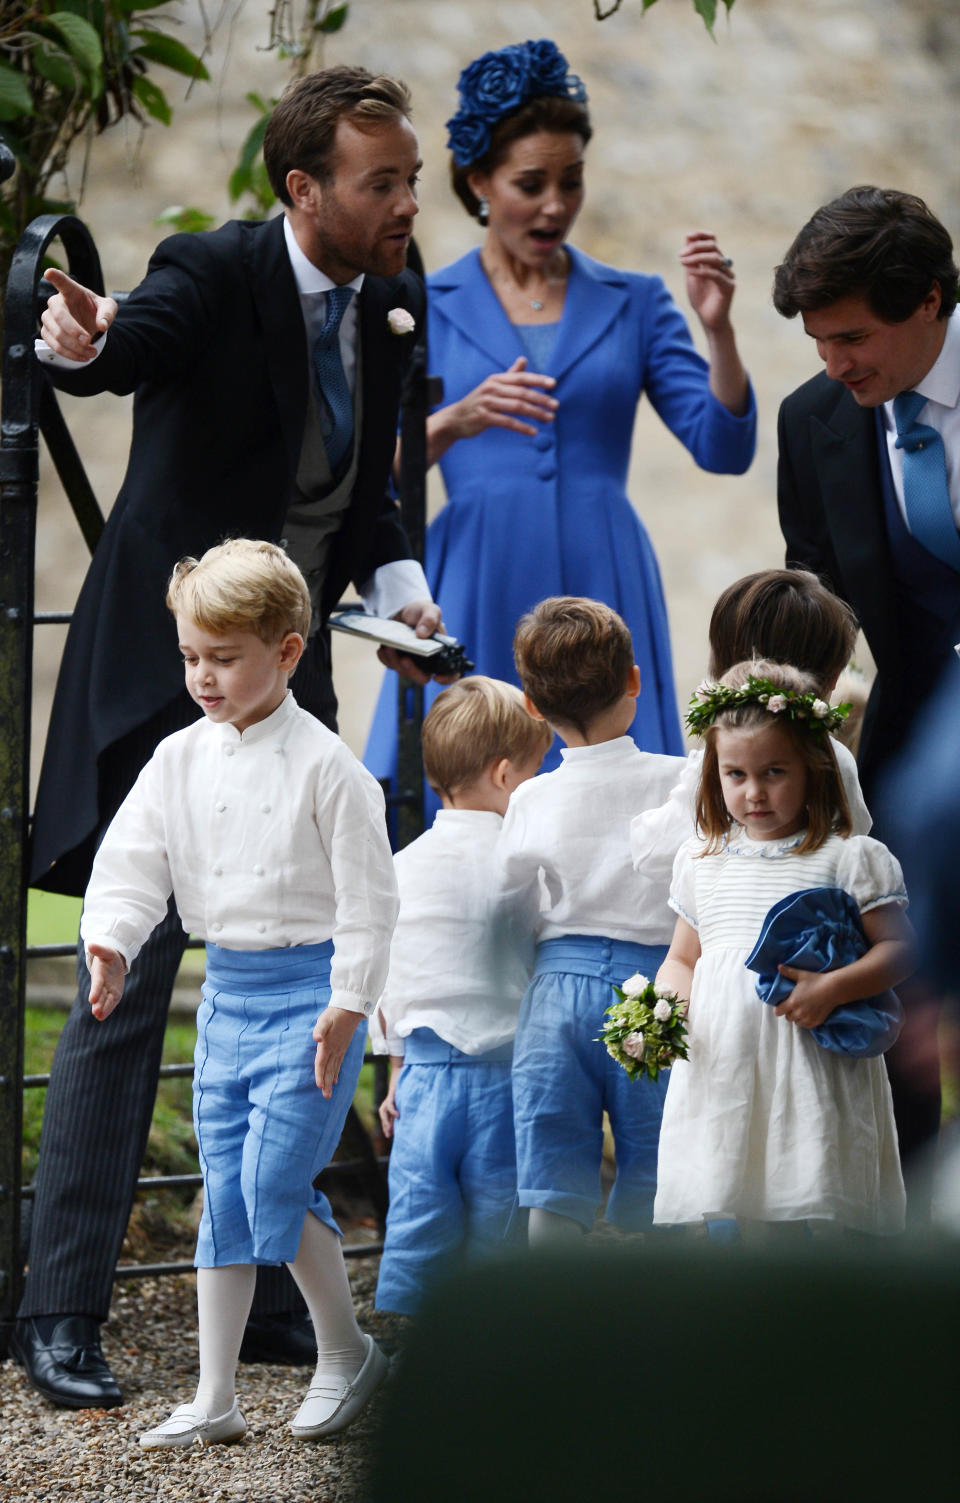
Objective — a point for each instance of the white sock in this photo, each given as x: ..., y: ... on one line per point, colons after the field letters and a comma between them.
x: 224, y: 1297
x: 551, y: 1230
x: 321, y: 1277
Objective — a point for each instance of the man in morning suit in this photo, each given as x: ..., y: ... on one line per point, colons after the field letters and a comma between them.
x: 869, y: 493
x: 266, y: 385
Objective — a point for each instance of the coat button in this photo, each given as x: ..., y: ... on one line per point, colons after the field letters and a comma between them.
x: 543, y: 441
x: 265, y: 808
x: 546, y: 471
x: 216, y: 928
x: 218, y: 871
x: 258, y: 871
x: 220, y: 808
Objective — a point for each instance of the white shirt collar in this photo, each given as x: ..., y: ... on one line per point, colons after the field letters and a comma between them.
x: 620, y: 746
x: 310, y: 278
x: 261, y: 729
x: 941, y: 384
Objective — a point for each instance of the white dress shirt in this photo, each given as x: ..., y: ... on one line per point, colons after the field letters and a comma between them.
x: 459, y: 963
x: 941, y: 387
x: 270, y: 838
x: 393, y: 585
x: 566, y: 839
x: 656, y: 835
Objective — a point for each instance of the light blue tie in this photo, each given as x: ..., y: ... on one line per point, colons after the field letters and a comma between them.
x: 926, y: 498
x: 337, y: 419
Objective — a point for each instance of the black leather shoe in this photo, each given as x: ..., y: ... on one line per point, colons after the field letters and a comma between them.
x: 69, y: 1369
x: 285, y: 1339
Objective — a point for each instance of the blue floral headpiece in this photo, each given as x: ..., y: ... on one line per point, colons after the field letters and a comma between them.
x: 498, y: 83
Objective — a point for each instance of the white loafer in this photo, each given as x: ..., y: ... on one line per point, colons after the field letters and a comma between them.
x: 188, y: 1424
x: 333, y: 1402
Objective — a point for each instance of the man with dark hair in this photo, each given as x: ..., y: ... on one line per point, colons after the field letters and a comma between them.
x: 266, y: 381
x: 869, y: 478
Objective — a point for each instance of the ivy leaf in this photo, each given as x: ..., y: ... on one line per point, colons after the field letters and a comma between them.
x: 83, y: 43
x: 153, y: 99
x: 707, y: 10
x: 333, y: 20
x: 156, y: 47
x: 189, y: 219
x: 15, y: 98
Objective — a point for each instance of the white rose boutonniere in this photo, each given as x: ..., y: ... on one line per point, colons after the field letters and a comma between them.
x: 400, y: 321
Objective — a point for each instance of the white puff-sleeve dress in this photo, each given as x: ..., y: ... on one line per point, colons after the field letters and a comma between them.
x: 761, y: 1122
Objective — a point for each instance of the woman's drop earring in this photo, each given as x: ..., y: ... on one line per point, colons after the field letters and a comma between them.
x: 483, y: 209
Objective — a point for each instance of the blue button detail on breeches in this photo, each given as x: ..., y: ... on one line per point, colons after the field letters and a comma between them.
x: 264, y: 1129
x: 563, y: 1081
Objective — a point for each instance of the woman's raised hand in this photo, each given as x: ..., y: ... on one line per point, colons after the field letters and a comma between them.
x: 710, y: 279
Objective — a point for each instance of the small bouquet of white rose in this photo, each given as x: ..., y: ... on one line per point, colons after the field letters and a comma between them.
x: 646, y: 1029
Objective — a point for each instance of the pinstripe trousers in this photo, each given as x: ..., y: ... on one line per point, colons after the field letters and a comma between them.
x: 103, y: 1080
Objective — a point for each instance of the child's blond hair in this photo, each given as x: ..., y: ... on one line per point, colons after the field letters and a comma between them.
x: 242, y: 585
x: 826, y: 803
x: 574, y: 658
x: 475, y: 722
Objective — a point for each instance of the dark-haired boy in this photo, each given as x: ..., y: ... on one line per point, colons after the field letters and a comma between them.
x: 566, y: 858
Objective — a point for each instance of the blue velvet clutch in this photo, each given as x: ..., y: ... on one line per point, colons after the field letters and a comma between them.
x: 820, y: 930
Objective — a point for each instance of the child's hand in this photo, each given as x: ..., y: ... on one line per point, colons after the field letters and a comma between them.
x: 388, y: 1114
x: 333, y: 1031
x: 812, y: 1000
x: 387, y: 1110
x: 107, y: 974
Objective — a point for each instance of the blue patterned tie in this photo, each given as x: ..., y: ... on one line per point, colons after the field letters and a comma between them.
x: 332, y: 381
x: 926, y: 498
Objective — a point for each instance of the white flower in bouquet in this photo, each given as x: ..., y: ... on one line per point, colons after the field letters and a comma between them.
x: 634, y: 1045
x: 777, y: 703
x: 820, y: 708
x: 663, y: 1011
x: 635, y: 985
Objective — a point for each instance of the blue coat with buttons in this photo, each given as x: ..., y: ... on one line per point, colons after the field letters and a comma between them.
x: 528, y: 517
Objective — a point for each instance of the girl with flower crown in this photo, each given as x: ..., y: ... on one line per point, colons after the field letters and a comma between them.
x: 545, y: 354
x: 782, y: 1114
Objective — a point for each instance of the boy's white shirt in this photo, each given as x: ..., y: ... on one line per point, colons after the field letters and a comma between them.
x: 459, y: 964
x: 268, y: 839
x: 656, y: 835
x: 565, y: 848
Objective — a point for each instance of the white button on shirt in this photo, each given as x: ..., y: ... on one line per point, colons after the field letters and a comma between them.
x: 324, y: 847
x: 566, y: 842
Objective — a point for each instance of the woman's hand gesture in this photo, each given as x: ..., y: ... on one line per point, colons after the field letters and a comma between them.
x: 710, y: 279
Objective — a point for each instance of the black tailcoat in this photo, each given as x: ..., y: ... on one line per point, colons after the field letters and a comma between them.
x: 213, y: 346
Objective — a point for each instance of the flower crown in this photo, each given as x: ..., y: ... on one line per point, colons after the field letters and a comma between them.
x: 711, y: 699
x: 500, y: 82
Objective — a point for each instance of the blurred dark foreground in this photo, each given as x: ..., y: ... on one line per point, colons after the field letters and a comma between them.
x: 822, y: 1373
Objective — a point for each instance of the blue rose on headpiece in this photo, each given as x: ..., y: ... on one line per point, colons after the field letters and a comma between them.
x: 548, y: 66
x: 498, y: 83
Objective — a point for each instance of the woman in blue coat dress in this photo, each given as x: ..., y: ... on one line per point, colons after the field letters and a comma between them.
x: 544, y: 354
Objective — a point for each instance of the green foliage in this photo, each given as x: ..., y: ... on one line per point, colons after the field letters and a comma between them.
x: 705, y: 9
x: 69, y: 69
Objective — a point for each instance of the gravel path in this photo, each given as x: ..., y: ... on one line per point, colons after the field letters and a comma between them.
x: 91, y: 1455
